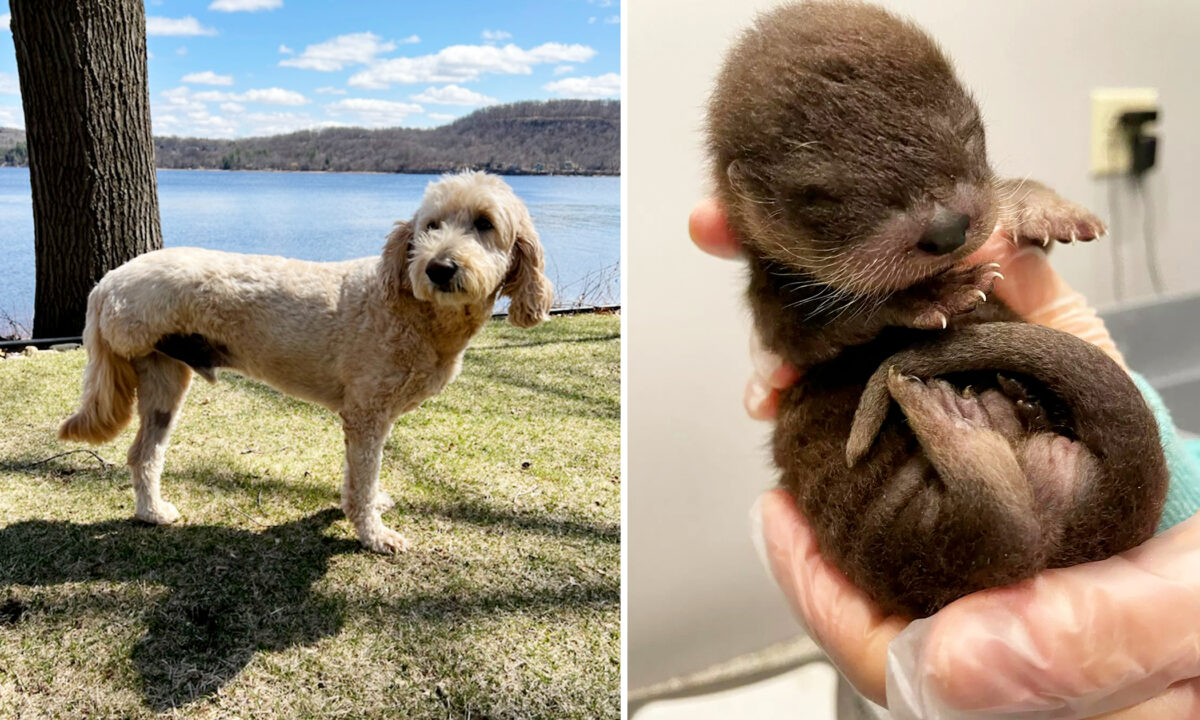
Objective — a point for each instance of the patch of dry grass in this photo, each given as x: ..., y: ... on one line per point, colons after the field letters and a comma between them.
x: 260, y: 603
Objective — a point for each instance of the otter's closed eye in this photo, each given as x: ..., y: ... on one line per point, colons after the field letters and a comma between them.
x: 483, y: 224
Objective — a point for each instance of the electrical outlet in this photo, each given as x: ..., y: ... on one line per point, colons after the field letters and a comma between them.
x: 1110, y: 149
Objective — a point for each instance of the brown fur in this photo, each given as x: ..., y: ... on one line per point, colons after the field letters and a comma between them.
x: 839, y: 135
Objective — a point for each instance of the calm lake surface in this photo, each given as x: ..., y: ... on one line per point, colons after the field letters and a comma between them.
x: 331, y: 216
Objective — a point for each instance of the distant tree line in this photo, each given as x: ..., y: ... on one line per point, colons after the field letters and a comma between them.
x: 560, y: 137
x: 13, y: 151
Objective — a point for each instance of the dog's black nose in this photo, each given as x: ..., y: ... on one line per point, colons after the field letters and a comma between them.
x: 946, y: 233
x: 441, y: 272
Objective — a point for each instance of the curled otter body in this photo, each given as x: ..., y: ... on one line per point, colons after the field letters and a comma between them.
x: 937, y: 444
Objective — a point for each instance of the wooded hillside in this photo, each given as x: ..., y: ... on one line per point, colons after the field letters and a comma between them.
x: 561, y: 137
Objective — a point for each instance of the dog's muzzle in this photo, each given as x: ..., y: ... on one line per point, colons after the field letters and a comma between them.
x: 442, y: 273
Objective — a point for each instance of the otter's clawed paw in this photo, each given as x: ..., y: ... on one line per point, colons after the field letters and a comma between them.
x: 1045, y: 216
x: 955, y: 292
x: 1029, y: 410
x: 938, y: 398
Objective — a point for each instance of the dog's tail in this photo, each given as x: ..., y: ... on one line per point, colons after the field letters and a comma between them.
x: 109, y: 382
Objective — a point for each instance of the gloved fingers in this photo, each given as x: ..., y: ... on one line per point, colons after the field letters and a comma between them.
x: 1033, y: 290
x: 1067, y: 644
x: 840, y: 618
x: 710, y: 232
x: 771, y: 374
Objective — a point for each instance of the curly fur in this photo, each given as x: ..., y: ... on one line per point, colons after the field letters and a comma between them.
x: 368, y: 338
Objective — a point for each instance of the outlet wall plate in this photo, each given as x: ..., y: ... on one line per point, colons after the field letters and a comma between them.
x: 1110, y: 151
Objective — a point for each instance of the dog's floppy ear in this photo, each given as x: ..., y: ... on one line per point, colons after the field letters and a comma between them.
x: 526, y: 283
x: 395, y: 261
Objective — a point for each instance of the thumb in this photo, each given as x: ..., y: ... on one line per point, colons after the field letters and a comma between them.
x: 840, y: 618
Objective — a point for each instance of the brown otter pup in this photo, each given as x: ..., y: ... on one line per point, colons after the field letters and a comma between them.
x: 937, y: 444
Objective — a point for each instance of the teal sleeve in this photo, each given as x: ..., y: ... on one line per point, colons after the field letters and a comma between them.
x: 1183, y: 462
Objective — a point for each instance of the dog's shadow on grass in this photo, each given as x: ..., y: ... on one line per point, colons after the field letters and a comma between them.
x: 231, y: 593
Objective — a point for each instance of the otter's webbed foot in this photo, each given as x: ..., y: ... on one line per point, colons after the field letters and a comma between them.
x: 1033, y: 213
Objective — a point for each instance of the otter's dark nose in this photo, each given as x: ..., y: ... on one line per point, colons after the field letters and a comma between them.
x: 946, y: 233
x: 441, y: 272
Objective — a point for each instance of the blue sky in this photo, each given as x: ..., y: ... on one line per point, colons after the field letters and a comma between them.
x: 237, y: 68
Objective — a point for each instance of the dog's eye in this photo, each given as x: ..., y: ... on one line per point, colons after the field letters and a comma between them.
x: 432, y: 225
x: 482, y: 224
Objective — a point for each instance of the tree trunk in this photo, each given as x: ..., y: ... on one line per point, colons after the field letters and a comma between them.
x: 82, y: 66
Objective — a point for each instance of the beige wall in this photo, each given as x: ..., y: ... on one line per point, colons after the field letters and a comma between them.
x: 696, y: 591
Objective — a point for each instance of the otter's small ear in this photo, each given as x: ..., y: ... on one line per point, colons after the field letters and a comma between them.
x: 526, y: 283
x: 395, y: 261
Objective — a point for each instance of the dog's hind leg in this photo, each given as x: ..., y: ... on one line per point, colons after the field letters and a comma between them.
x: 162, y: 385
x: 361, y: 501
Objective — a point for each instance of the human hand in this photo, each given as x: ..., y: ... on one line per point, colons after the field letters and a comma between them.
x: 1068, y: 644
x: 771, y: 374
x: 1022, y: 647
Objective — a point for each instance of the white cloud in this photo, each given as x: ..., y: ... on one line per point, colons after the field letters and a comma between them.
x: 183, y: 96
x: 282, y: 122
x: 192, y: 121
x: 330, y: 90
x: 208, y: 77
x: 410, y: 40
x: 372, y: 112
x: 453, y: 95
x: 181, y: 50
x: 586, y: 88
x: 207, y: 95
x: 440, y: 116
x: 176, y: 26
x: 11, y: 117
x: 284, y: 49
x: 184, y: 113
x: 564, y: 69
x: 244, y: 5
x: 9, y: 84
x: 496, y: 35
x: 464, y: 63
x: 612, y: 19
x: 602, y: 3
x: 5, y: 19
x: 591, y: 21
x: 273, y: 96
x: 343, y: 50
x: 178, y: 96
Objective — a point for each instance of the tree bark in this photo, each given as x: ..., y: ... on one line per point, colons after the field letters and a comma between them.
x: 84, y: 85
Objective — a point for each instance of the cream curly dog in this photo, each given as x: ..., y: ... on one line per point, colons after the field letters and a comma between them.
x: 369, y: 338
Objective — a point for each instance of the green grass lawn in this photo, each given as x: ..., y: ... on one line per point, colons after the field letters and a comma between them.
x: 260, y: 603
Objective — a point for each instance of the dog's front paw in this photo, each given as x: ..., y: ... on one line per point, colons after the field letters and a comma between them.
x: 385, y: 541
x: 953, y: 293
x: 1043, y: 215
x: 161, y: 513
